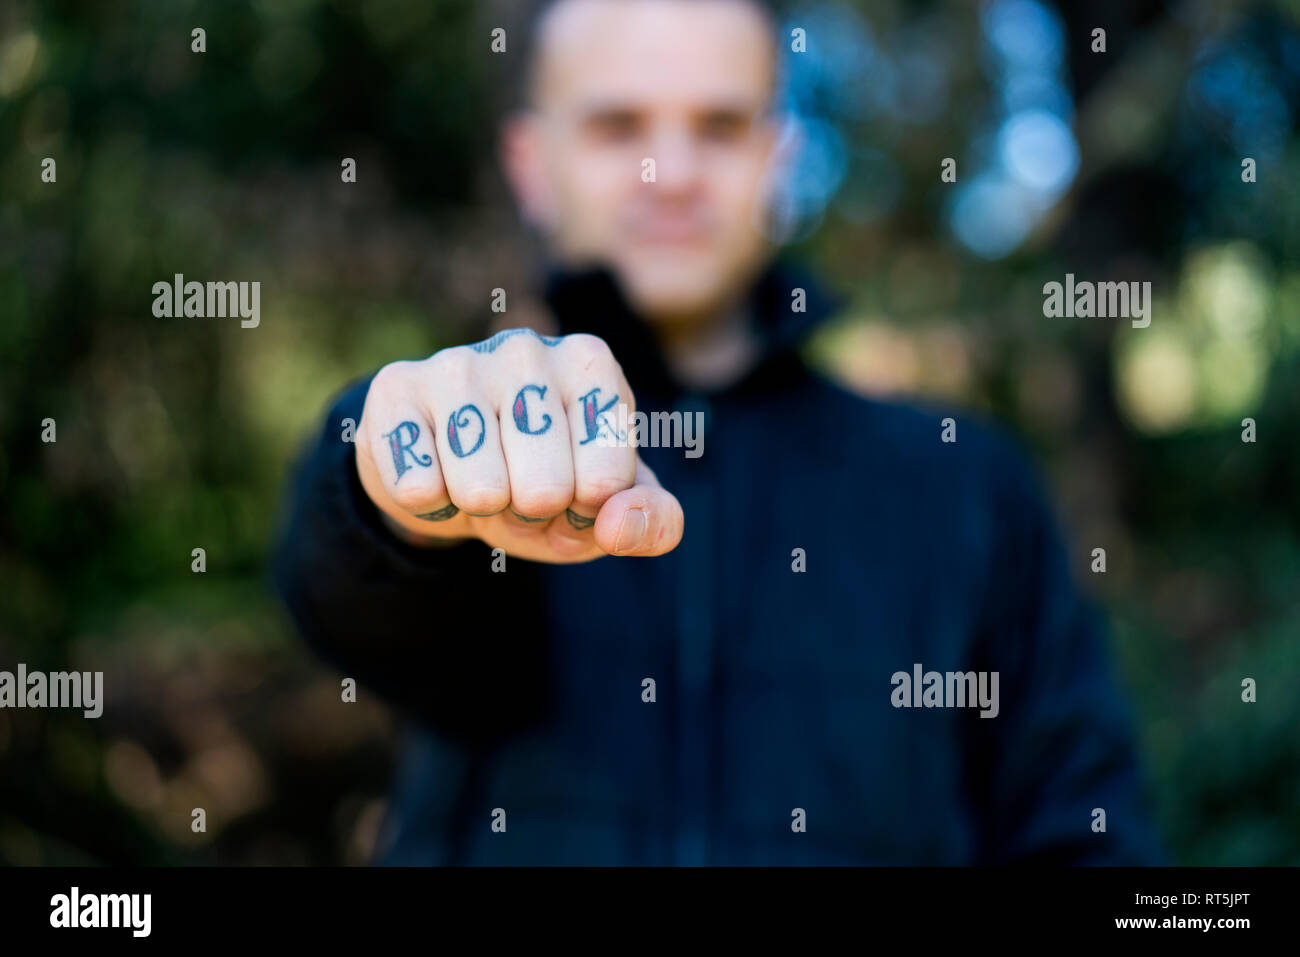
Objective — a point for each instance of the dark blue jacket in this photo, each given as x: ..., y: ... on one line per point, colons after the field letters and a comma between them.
x: 774, y: 688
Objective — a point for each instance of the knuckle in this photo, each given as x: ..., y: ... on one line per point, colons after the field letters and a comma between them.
x: 596, y: 489
x: 542, y: 500
x: 449, y: 368
x: 569, y: 546
x: 585, y: 350
x: 392, y: 379
x: 521, y: 339
x: 482, y: 499
x: 525, y: 374
x: 415, y: 498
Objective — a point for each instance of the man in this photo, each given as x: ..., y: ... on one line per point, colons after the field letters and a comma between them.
x: 593, y: 684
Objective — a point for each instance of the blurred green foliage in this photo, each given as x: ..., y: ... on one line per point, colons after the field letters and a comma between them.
x: 176, y: 434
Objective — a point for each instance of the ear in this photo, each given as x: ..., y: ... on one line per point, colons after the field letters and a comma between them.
x: 787, y: 138
x: 777, y: 209
x: 525, y: 171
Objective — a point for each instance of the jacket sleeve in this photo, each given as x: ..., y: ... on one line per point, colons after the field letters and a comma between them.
x: 1062, y: 746
x: 437, y: 633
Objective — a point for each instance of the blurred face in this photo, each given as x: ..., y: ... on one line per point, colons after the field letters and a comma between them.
x: 686, y: 84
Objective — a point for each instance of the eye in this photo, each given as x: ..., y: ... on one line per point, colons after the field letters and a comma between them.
x: 724, y: 127
x: 613, y: 126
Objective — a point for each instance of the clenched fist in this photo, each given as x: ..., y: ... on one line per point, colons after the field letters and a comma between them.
x: 509, y: 441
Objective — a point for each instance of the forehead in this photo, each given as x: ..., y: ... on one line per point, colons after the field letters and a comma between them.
x: 654, y: 52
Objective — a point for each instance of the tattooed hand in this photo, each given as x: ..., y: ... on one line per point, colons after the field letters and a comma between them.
x: 499, y: 441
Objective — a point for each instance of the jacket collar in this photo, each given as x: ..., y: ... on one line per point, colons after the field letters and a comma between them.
x: 590, y: 301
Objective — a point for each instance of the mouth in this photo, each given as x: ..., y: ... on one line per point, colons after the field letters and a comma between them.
x: 670, y: 230
x: 671, y: 235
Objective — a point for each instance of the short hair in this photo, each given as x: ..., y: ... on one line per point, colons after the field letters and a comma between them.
x: 525, y: 33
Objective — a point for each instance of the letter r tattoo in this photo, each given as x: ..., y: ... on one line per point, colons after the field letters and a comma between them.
x: 402, y: 449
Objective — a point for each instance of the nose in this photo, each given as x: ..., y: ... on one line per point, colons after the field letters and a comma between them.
x: 677, y: 158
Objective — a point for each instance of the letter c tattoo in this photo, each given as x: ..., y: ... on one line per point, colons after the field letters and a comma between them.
x: 521, y: 411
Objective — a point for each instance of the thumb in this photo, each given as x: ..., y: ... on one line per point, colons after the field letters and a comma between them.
x: 645, y: 519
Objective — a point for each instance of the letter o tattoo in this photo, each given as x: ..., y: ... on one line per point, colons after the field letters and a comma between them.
x: 458, y: 420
